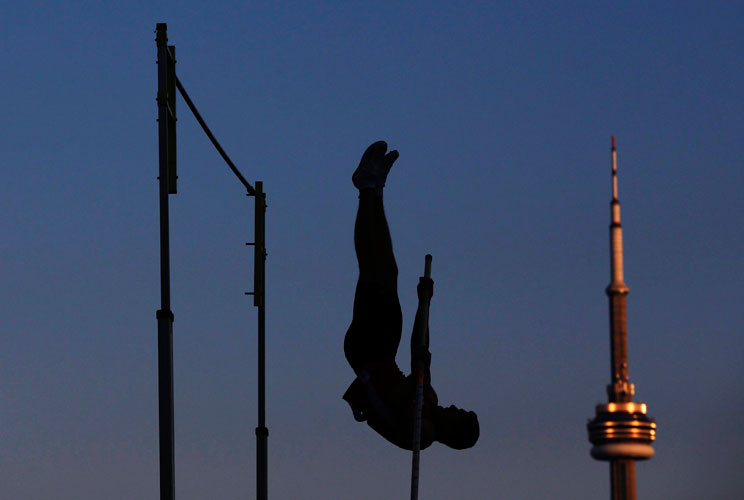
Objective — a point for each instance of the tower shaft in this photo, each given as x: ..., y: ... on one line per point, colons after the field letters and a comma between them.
x: 622, y: 479
x: 620, y: 390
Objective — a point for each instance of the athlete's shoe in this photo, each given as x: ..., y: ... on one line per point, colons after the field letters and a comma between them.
x: 374, y: 166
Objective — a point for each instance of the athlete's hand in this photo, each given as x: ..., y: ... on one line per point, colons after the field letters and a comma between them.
x: 425, y: 288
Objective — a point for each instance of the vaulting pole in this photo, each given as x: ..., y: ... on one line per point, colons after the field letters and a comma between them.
x: 422, y: 342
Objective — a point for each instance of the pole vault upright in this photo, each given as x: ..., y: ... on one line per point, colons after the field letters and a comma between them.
x: 168, y: 83
x: 166, y: 99
x: 259, y: 300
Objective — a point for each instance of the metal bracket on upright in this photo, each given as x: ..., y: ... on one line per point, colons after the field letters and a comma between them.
x: 259, y: 244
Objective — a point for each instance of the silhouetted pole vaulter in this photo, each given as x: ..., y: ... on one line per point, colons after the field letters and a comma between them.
x: 166, y: 98
x: 381, y: 395
x: 421, y: 342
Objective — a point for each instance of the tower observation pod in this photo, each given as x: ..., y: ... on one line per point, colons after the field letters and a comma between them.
x: 621, y: 431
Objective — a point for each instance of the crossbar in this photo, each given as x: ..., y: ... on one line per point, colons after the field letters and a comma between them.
x: 192, y: 107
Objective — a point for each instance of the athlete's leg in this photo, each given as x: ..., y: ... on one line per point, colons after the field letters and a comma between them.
x: 373, y: 244
x: 375, y: 330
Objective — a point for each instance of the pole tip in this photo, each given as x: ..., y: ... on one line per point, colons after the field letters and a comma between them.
x: 613, y: 142
x: 427, y: 265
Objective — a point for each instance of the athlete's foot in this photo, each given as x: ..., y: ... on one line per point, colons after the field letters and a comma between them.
x: 374, y: 167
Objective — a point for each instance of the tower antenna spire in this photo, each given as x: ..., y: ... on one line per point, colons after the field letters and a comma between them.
x: 617, y: 285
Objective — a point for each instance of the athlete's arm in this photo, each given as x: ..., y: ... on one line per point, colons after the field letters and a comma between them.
x: 420, y: 347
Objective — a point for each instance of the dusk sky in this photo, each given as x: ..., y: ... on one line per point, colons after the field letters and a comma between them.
x: 502, y: 114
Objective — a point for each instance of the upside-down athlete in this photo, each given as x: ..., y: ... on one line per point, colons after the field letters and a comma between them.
x: 381, y: 395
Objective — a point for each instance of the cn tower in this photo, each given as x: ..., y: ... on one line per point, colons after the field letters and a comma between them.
x: 621, y: 432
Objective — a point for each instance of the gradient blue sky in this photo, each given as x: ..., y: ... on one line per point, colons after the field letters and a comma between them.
x: 502, y: 116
